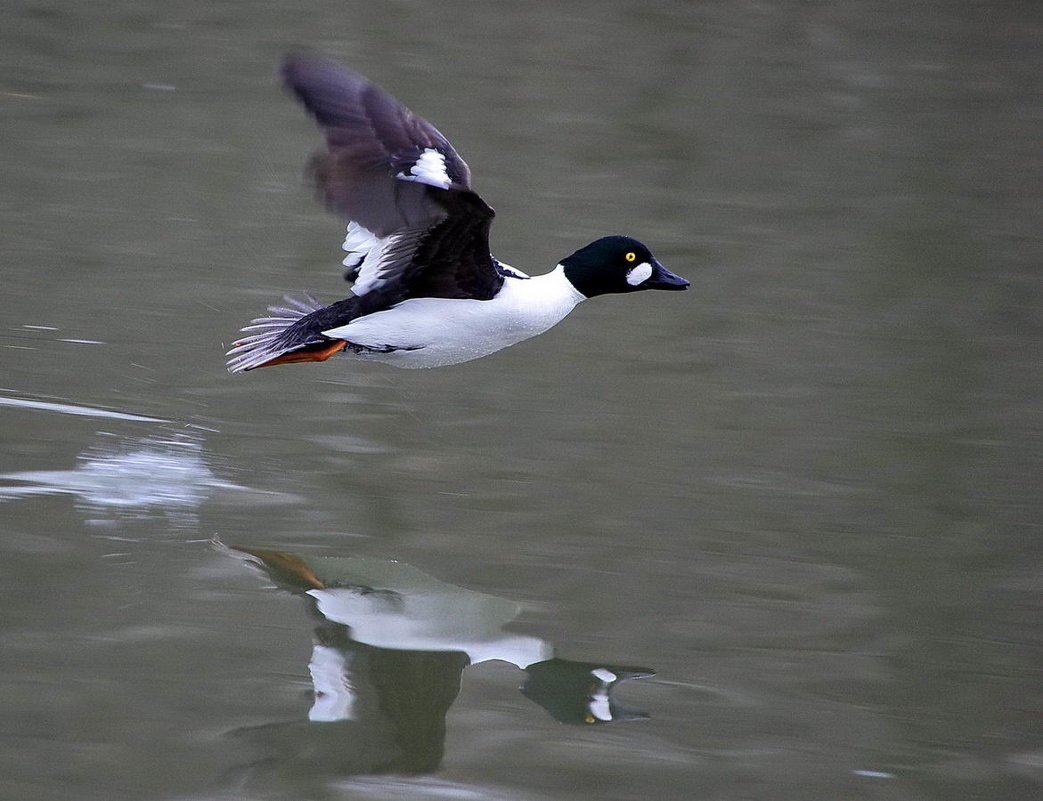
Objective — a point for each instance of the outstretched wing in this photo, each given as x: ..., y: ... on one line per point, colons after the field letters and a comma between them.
x: 416, y: 228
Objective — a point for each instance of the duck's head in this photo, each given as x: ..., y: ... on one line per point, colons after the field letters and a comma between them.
x: 617, y: 264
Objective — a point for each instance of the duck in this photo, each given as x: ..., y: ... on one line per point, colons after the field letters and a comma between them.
x: 427, y: 291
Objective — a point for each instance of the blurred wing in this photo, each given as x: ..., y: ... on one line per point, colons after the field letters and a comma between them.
x: 399, y: 182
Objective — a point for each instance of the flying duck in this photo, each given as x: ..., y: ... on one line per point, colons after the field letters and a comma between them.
x: 427, y: 292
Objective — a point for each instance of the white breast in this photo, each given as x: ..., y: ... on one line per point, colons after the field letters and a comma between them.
x: 433, y: 332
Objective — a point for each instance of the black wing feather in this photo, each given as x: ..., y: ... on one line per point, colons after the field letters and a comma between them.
x: 371, y: 138
x: 452, y: 258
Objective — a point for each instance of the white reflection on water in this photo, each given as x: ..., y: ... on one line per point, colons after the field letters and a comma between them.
x: 165, y: 475
x: 76, y: 410
x: 420, y: 613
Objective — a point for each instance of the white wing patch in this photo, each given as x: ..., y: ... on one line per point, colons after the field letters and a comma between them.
x: 640, y: 274
x: 357, y: 244
x: 428, y: 169
x: 365, y: 256
x: 367, y: 253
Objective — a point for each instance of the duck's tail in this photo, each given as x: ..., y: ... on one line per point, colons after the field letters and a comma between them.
x: 289, y: 334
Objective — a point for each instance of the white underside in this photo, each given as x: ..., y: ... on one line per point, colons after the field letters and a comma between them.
x: 434, y: 332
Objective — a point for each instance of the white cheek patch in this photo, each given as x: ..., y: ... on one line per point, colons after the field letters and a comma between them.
x: 428, y: 169
x: 639, y: 274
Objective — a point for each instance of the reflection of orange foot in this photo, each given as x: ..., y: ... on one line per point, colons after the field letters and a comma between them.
x: 317, y: 354
x: 286, y: 565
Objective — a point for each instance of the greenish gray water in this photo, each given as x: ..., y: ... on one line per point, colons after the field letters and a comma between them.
x: 806, y: 492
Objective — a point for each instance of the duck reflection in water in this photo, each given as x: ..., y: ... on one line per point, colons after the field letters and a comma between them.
x: 390, y: 645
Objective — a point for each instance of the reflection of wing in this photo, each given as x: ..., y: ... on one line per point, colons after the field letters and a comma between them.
x: 382, y: 712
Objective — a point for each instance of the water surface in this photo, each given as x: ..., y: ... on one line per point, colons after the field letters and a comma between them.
x: 804, y: 493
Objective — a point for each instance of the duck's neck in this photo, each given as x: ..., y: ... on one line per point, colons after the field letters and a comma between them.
x: 541, y: 301
x: 555, y: 289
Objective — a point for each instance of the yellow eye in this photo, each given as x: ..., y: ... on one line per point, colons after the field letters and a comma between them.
x: 631, y: 256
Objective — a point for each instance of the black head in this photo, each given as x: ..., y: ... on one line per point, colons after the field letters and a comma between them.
x: 618, y: 264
